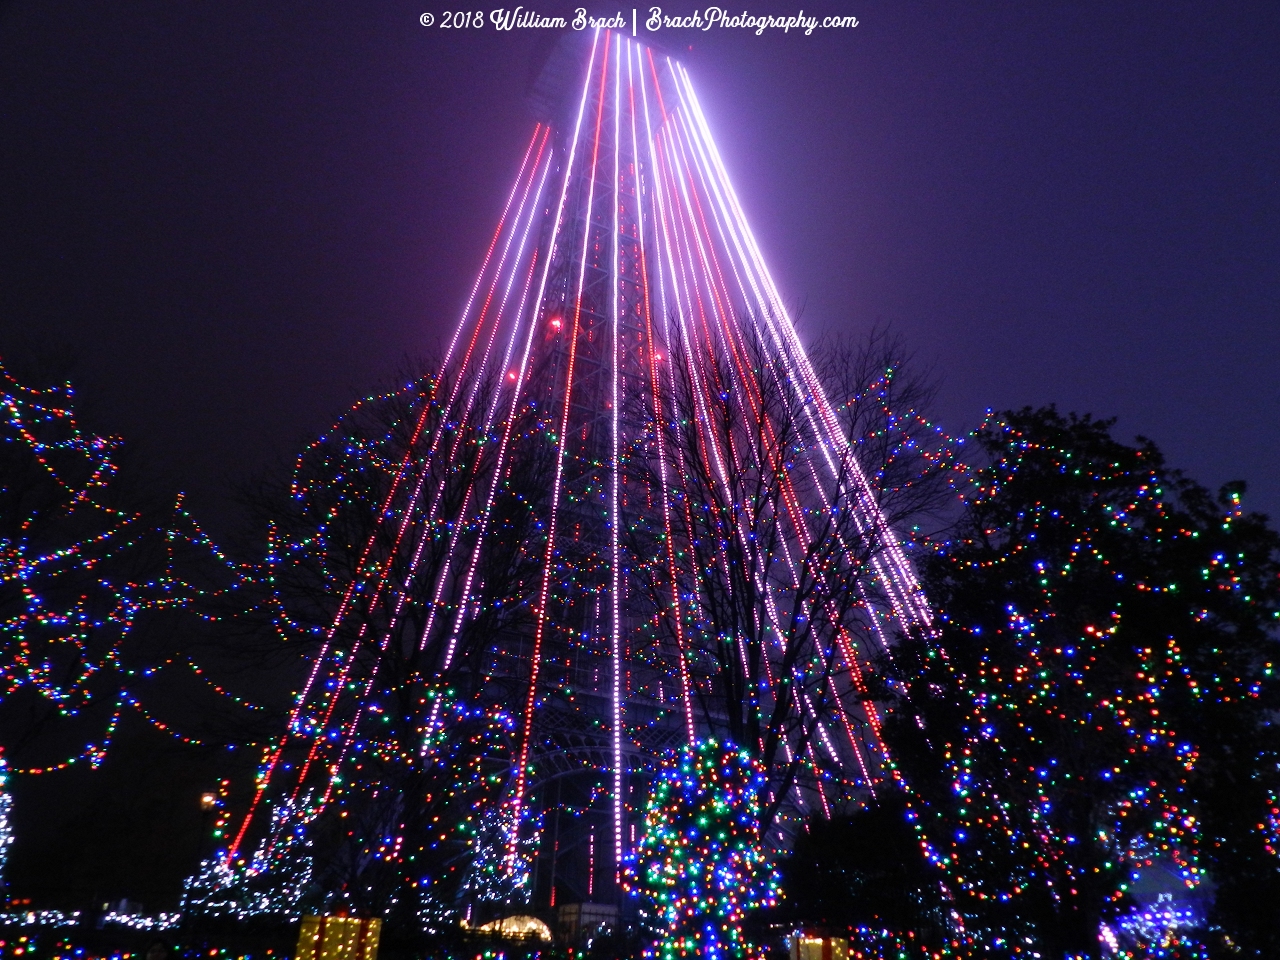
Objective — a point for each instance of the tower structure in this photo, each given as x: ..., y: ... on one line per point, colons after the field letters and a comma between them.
x: 700, y: 551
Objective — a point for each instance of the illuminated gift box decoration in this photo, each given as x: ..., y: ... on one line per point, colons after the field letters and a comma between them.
x: 338, y: 938
x: 807, y: 946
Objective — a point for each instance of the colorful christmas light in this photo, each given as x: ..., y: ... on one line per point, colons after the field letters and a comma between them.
x: 1099, y: 660
x: 699, y: 865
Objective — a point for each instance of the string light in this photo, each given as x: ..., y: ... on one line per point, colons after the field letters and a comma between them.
x: 81, y: 572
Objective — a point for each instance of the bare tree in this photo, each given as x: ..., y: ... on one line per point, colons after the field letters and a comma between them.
x: 882, y: 396
x: 763, y: 575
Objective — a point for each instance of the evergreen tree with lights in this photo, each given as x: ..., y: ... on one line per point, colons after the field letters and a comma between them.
x: 275, y: 883
x: 698, y: 867
x: 1091, y: 727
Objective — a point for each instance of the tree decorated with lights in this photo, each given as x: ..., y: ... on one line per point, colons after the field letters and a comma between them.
x: 99, y: 583
x: 83, y: 560
x: 699, y: 866
x: 394, y: 829
x: 1091, y: 727
x: 501, y: 862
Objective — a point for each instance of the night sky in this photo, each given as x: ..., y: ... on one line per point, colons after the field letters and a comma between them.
x: 234, y: 219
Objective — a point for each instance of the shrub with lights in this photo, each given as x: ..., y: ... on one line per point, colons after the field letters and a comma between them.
x: 698, y: 866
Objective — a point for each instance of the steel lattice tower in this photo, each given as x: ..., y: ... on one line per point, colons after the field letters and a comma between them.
x: 622, y: 249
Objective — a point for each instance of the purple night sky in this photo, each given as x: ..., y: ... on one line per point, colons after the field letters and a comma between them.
x: 237, y: 218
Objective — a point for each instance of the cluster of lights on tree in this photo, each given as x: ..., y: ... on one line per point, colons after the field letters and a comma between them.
x: 6, y: 808
x: 699, y: 865
x: 270, y: 883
